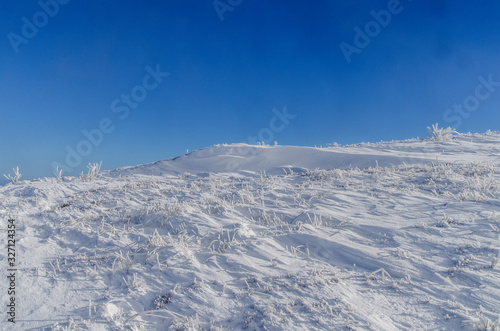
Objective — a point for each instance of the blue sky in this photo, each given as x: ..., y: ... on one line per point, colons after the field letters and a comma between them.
x: 229, y: 65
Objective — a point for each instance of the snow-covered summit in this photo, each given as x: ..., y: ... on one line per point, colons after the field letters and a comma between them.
x: 277, y: 159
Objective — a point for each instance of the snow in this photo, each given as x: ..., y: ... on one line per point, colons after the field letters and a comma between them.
x: 381, y: 236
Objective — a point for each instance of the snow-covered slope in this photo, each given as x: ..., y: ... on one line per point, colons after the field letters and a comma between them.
x: 385, y: 236
x: 274, y: 159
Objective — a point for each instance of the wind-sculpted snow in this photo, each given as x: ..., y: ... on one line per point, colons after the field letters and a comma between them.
x: 277, y: 159
x: 272, y: 160
x: 385, y: 236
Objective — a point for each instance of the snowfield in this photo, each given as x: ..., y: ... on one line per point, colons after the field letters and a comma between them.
x: 386, y: 236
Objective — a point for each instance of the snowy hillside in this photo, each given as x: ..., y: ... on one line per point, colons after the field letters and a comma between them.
x: 385, y: 236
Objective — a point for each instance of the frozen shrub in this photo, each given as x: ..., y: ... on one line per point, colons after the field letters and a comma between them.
x: 16, y: 176
x: 93, y: 172
x: 441, y: 134
x: 58, y: 173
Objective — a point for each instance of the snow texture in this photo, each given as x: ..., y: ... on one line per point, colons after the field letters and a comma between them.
x: 398, y: 235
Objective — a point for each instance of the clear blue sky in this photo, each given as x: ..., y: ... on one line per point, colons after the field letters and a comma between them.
x: 229, y: 67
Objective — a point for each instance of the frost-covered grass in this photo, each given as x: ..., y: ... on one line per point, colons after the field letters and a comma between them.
x: 441, y: 134
x: 15, y: 178
x: 413, y: 245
